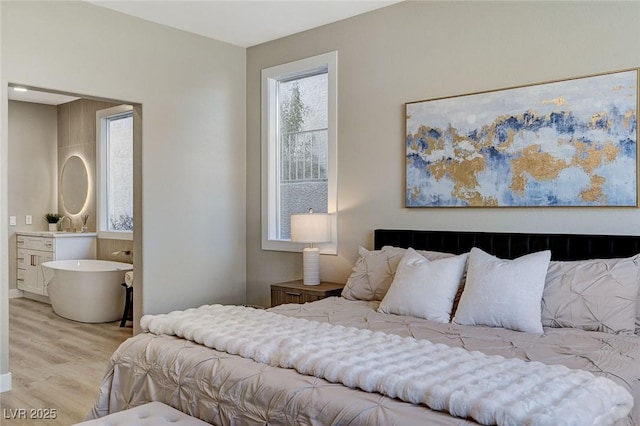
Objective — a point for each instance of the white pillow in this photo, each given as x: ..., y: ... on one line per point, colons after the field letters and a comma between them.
x: 504, y: 293
x: 423, y: 288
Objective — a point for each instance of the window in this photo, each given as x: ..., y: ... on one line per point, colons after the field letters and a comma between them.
x: 299, y: 140
x: 114, y: 128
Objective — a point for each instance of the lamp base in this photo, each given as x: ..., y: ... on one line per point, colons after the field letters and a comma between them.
x: 311, y: 266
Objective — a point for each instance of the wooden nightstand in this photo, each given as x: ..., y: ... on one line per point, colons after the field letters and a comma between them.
x: 296, y: 292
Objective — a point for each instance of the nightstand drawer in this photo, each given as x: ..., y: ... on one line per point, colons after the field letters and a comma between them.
x: 282, y: 297
x: 297, y: 292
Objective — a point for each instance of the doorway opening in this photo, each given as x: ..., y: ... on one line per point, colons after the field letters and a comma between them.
x: 52, y: 166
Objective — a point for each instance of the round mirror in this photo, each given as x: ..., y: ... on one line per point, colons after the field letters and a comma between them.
x: 74, y: 184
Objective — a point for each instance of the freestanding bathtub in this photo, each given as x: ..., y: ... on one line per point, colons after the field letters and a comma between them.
x: 86, y: 290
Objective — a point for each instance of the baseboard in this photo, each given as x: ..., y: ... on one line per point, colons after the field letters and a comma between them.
x: 5, y: 382
x: 14, y: 293
x: 33, y: 296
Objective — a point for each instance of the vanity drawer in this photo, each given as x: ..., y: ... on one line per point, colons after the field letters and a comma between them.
x: 36, y: 243
x: 20, y: 260
x: 20, y: 280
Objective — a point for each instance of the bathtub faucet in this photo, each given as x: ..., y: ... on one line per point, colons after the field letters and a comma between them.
x: 124, y: 252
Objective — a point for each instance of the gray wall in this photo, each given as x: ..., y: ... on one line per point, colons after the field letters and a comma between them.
x: 41, y: 138
x: 77, y: 136
x: 33, y: 170
x: 189, y: 170
x: 423, y: 50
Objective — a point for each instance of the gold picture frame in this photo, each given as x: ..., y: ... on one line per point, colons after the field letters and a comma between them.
x: 570, y: 142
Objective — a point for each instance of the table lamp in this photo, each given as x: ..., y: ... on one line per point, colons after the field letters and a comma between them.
x: 311, y: 228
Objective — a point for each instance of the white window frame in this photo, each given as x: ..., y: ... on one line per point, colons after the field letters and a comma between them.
x: 101, y: 172
x: 269, y: 122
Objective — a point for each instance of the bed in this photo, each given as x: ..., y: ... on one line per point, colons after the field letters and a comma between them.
x: 587, y: 314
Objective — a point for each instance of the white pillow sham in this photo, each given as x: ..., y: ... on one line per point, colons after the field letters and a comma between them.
x: 372, y: 274
x: 504, y: 293
x: 423, y: 288
x: 638, y: 316
x: 593, y: 295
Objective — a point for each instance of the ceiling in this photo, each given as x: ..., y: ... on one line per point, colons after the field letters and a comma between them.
x: 243, y: 23
x: 39, y: 97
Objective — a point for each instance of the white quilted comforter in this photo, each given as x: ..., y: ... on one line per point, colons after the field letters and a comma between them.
x: 467, y: 384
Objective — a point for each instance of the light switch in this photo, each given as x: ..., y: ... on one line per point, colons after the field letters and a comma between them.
x: 28, y: 220
x: 12, y: 221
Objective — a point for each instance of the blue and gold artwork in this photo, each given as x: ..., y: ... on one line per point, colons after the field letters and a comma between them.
x: 564, y: 143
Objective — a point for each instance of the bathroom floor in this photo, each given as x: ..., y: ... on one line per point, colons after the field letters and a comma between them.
x: 56, y: 365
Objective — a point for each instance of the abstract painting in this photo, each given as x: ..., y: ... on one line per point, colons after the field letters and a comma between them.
x: 562, y: 143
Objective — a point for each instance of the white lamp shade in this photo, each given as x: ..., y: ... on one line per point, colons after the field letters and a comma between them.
x: 311, y: 228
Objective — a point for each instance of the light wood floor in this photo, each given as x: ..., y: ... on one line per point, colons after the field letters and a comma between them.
x: 55, y: 363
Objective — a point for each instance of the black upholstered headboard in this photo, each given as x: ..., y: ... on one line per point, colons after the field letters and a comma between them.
x: 512, y: 245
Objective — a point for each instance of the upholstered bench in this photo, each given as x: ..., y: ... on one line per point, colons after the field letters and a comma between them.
x: 151, y: 414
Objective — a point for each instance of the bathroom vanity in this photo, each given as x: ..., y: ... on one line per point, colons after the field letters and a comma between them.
x: 34, y: 248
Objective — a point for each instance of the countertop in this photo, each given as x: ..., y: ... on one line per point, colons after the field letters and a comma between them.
x: 56, y: 234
